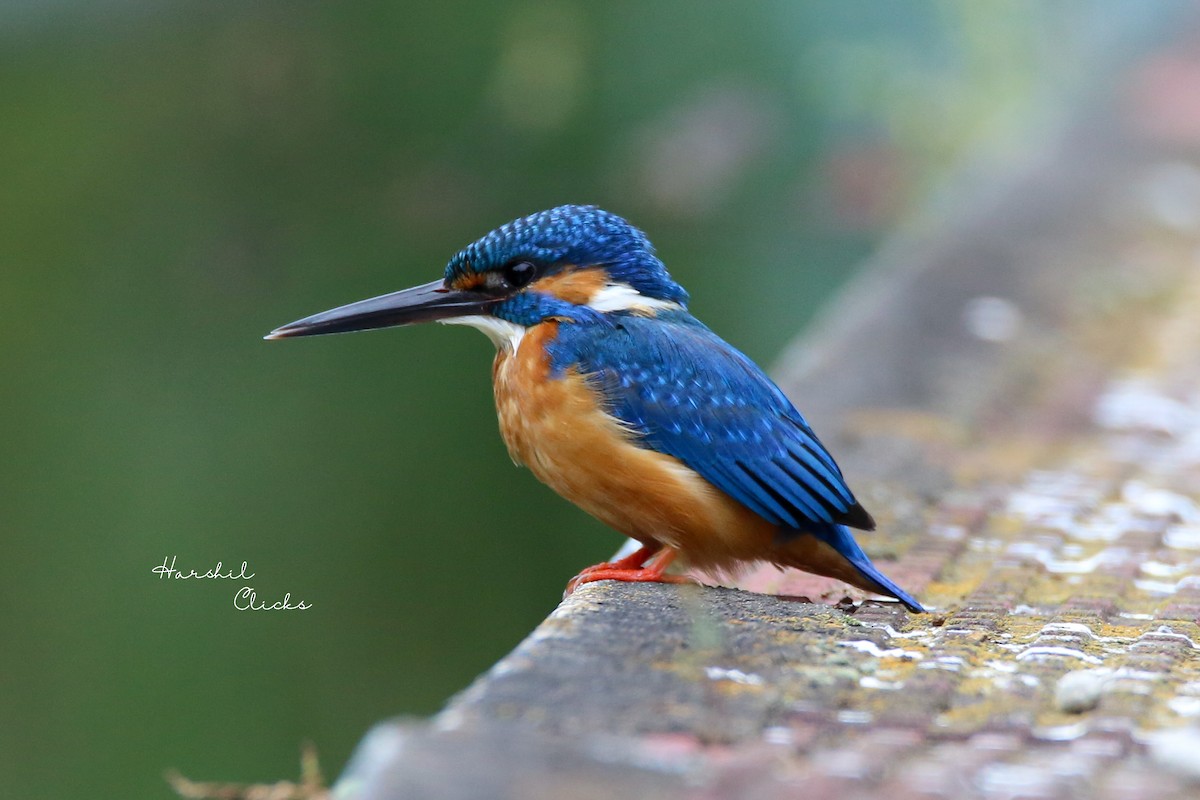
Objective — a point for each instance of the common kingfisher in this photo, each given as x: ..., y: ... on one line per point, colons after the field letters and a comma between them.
x: 631, y: 408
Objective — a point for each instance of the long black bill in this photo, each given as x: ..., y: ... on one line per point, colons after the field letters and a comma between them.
x: 419, y: 304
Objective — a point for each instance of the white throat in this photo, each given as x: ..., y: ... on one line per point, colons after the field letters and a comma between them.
x: 504, y: 334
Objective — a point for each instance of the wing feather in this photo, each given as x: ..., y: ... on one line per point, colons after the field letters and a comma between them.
x: 689, y: 394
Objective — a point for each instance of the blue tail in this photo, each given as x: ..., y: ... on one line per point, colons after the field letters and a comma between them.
x: 839, y: 538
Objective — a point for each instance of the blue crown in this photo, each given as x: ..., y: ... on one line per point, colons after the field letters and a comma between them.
x: 582, y: 236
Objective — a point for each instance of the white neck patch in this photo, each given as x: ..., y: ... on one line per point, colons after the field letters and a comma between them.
x: 504, y: 334
x: 623, y: 297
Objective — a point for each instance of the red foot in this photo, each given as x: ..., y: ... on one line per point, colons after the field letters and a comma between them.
x: 634, y: 561
x: 633, y: 569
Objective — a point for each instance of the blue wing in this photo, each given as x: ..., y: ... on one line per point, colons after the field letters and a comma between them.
x: 691, y: 395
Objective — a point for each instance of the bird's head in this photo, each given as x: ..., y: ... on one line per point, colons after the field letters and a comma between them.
x: 567, y: 263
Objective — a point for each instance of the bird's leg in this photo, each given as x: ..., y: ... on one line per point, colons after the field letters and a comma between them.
x: 632, y: 561
x: 634, y: 568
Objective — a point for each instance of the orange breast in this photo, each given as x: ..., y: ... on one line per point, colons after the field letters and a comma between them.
x: 557, y: 427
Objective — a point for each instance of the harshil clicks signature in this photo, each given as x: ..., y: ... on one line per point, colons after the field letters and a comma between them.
x: 246, y: 598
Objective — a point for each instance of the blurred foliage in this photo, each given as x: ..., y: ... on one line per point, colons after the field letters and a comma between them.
x: 179, y: 178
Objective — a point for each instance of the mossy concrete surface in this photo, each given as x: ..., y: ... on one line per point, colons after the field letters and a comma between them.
x: 1014, y: 392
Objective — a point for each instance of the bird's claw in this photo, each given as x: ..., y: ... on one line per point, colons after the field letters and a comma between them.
x: 631, y: 570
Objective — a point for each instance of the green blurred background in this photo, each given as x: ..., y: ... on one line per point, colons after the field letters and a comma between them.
x: 177, y: 178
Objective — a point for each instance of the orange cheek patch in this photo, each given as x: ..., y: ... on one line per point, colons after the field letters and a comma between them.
x: 576, y: 286
x: 467, y: 282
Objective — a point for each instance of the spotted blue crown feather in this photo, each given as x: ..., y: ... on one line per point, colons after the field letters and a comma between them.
x: 582, y: 236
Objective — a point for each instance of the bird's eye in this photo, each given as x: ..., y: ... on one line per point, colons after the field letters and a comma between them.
x: 519, y: 273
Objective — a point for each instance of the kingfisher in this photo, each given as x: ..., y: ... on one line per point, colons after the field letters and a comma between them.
x: 620, y: 400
